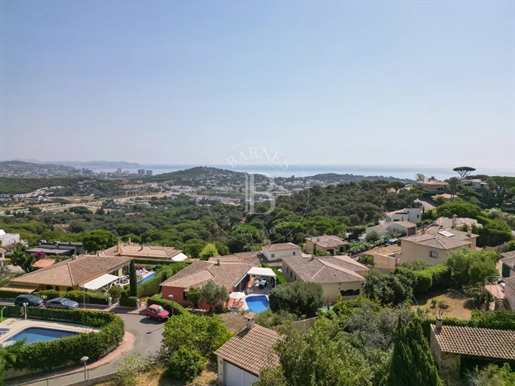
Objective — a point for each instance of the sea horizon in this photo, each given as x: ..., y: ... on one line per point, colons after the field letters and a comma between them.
x: 397, y: 171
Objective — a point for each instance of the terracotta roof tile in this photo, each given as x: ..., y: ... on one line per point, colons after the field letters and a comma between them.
x: 508, y: 259
x: 478, y: 342
x: 144, y: 251
x: 251, y: 350
x: 69, y: 273
x: 200, y: 272
x: 252, y: 258
x: 280, y: 247
x: 328, y: 241
x: 437, y: 241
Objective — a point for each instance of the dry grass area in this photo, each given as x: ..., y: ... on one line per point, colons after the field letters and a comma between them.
x: 459, y: 304
x: 234, y: 321
x: 158, y: 377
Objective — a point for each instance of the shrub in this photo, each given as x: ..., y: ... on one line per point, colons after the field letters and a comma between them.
x: 173, y: 308
x: 185, y: 363
x: 129, y: 368
x: 115, y: 291
x: 423, y: 281
x: 300, y: 298
x: 278, y: 274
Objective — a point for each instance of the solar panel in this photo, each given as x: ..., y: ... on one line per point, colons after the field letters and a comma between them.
x: 446, y: 233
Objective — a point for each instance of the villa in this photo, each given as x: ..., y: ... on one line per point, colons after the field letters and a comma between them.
x: 144, y: 252
x: 58, y: 248
x: 275, y: 252
x: 340, y: 276
x: 241, y: 358
x: 412, y: 215
x: 83, y: 271
x: 252, y: 258
x: 332, y: 245
x: 432, y: 186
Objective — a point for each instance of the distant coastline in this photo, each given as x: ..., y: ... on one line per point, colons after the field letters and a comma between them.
x: 404, y: 172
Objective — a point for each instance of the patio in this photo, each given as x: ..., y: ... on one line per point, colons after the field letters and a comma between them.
x: 261, y: 281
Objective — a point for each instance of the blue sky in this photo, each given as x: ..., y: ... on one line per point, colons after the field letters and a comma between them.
x: 332, y: 82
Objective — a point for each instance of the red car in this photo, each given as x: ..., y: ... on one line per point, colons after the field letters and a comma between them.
x: 157, y: 312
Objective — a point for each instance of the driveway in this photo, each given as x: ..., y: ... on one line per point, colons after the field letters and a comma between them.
x: 425, y: 204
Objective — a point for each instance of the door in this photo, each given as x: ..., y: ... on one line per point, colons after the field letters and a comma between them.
x: 235, y: 376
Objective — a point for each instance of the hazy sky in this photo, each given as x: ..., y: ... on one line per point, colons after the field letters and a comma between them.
x: 344, y: 82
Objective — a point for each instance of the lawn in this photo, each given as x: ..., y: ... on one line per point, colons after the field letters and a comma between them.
x: 460, y: 305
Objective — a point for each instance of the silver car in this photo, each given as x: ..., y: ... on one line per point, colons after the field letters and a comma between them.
x: 63, y: 303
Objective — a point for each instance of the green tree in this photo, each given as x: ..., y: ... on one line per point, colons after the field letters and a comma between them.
x: 22, y: 259
x: 453, y: 184
x: 412, y: 362
x: 372, y: 237
x: 213, y: 294
x: 115, y: 291
x: 208, y: 251
x: 420, y: 177
x: 463, y: 171
x: 388, y: 288
x: 460, y: 262
x: 493, y: 375
x: 98, y: 239
x: 460, y: 209
x: 133, y: 280
x: 481, y: 269
x: 185, y: 363
x: 202, y: 333
x: 194, y: 296
x: 299, y: 298
x: 397, y: 185
x: 494, y: 233
x: 271, y: 376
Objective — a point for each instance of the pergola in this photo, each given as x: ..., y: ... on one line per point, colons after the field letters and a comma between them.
x: 262, y: 272
x: 100, y: 282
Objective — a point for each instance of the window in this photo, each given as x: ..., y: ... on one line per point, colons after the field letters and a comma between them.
x: 287, y: 270
x: 433, y: 254
x: 291, y: 275
x: 418, y: 215
x: 184, y: 295
x: 293, y: 253
x: 295, y: 278
x: 272, y: 255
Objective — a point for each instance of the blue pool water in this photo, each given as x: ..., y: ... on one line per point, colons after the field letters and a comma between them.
x: 147, y: 278
x: 257, y: 304
x: 37, y: 334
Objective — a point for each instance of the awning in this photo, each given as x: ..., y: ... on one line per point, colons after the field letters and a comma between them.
x: 259, y: 271
x: 50, y: 251
x: 100, y: 282
x: 19, y: 288
x: 179, y: 257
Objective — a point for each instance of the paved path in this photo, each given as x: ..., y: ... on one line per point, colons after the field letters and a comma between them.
x: 147, y: 340
x: 427, y: 205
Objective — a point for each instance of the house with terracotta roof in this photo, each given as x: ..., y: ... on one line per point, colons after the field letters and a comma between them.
x: 136, y: 251
x: 391, y: 228
x: 331, y: 245
x: 432, y: 186
x: 451, y: 344
x: 74, y: 273
x: 252, y: 258
x: 275, y: 252
x: 233, y: 276
x: 508, y: 264
x: 242, y: 357
x: 456, y: 222
x: 435, y: 245
x: 339, y: 276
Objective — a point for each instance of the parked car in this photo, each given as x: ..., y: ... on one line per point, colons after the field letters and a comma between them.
x: 155, y: 311
x: 32, y: 300
x: 63, y: 303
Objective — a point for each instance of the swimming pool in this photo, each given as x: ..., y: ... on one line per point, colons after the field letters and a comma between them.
x: 144, y: 280
x: 39, y: 334
x: 257, y: 304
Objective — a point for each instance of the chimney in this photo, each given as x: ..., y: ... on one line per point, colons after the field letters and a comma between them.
x: 250, y: 320
x: 141, y: 247
x: 469, y: 231
x: 129, y: 241
x: 454, y: 221
x: 312, y: 258
x: 218, y: 260
x: 438, y: 324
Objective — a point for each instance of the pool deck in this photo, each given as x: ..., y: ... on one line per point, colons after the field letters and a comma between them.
x: 15, y: 325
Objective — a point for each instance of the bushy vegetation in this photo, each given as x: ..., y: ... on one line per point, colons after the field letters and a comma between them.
x: 189, y: 340
x: 471, y: 267
x: 303, y: 299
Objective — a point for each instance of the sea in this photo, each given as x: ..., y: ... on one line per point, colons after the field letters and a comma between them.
x: 397, y: 171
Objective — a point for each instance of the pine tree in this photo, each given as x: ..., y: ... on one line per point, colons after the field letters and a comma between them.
x: 412, y: 362
x: 133, y: 280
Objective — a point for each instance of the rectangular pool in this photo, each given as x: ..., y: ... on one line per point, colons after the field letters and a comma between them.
x: 257, y: 304
x: 39, y: 334
x: 144, y: 280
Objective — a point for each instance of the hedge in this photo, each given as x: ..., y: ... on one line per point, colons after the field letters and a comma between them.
x: 128, y: 301
x: 168, y: 305
x: 65, y: 351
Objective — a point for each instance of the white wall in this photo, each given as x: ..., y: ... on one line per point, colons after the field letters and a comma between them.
x: 410, y: 215
x: 233, y: 375
x: 9, y: 239
x: 278, y: 255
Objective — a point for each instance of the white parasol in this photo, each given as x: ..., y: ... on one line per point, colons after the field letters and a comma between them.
x: 237, y: 295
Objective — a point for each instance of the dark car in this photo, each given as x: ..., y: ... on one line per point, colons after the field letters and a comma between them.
x: 31, y: 300
x: 63, y: 303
